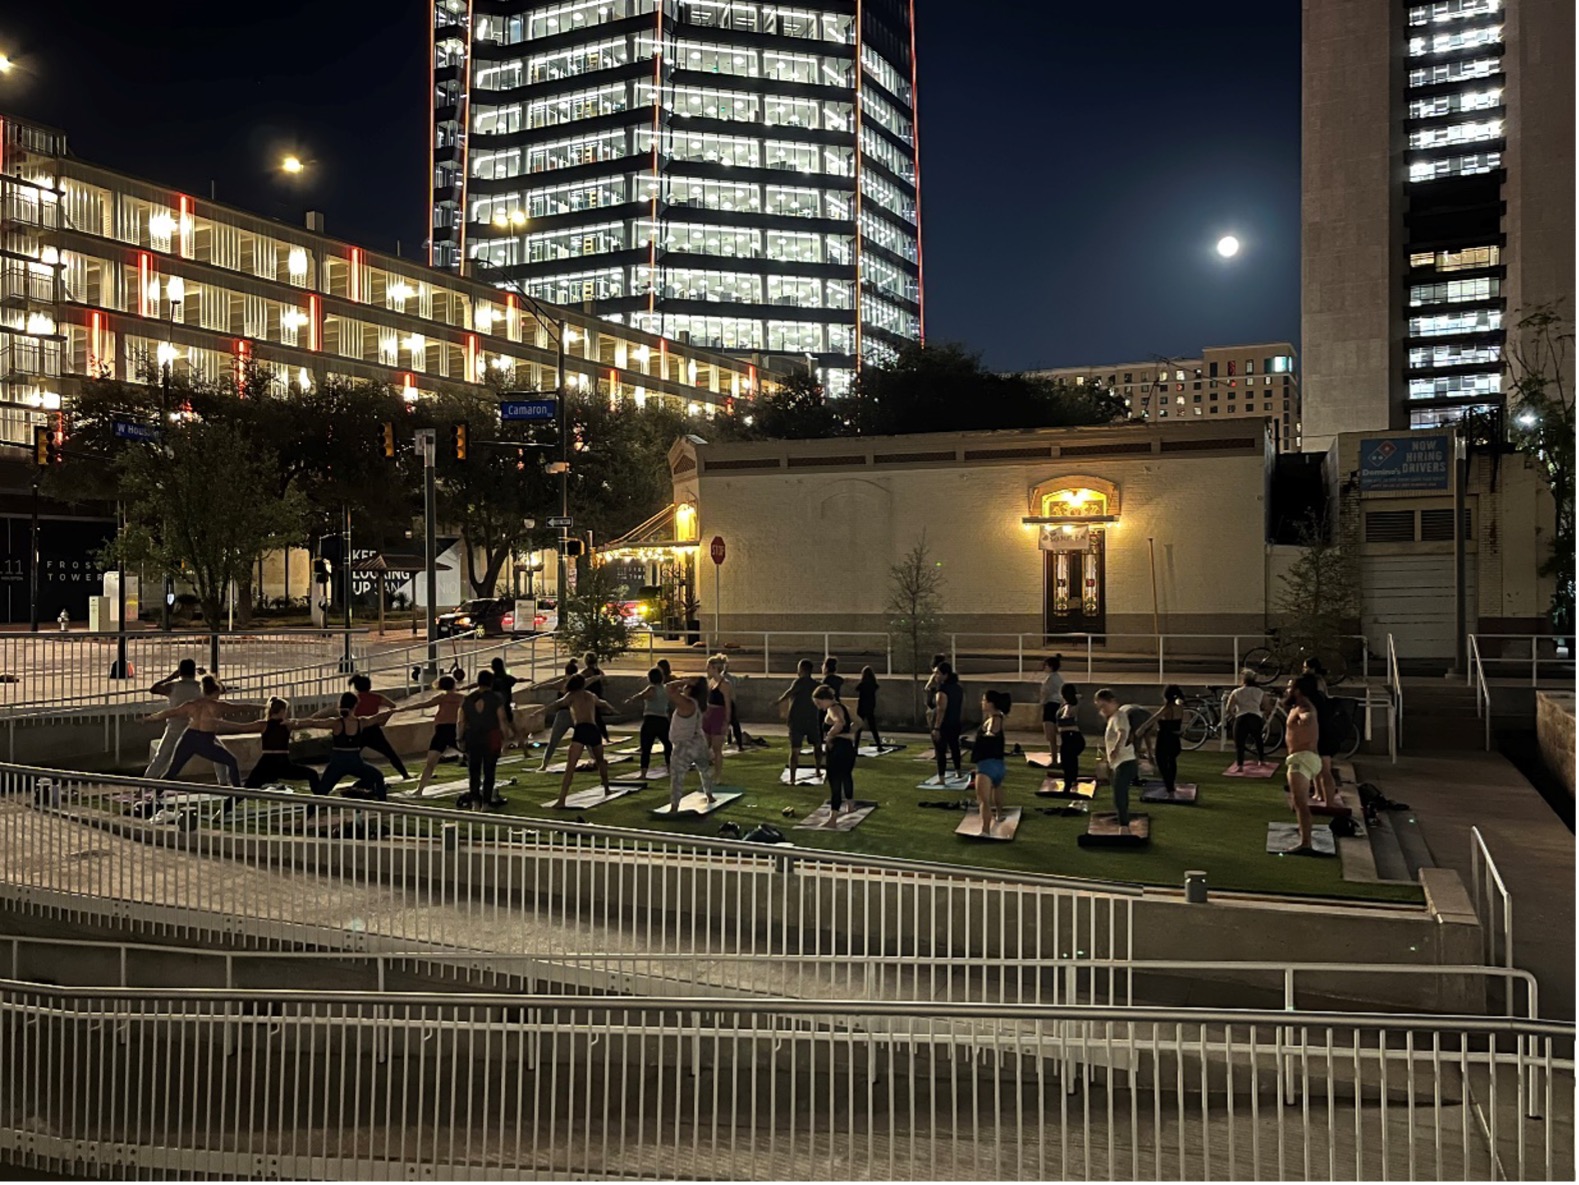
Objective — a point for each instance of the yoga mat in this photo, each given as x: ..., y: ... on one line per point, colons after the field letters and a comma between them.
x: 1280, y: 837
x: 803, y: 777
x: 878, y: 750
x: 1002, y: 831
x: 1184, y: 794
x: 695, y: 805
x: 1054, y: 788
x: 586, y: 764
x: 962, y: 782
x: 823, y: 818
x: 585, y: 800
x: 1103, y: 832
x: 1253, y: 769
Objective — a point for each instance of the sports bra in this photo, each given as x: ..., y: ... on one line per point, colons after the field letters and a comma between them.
x: 345, y: 738
x: 276, y: 737
x: 988, y: 746
x: 715, y: 696
x: 1170, y: 727
x: 844, y: 715
x: 1068, y: 718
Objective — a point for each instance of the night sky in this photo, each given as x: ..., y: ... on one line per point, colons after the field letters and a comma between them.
x: 1079, y: 161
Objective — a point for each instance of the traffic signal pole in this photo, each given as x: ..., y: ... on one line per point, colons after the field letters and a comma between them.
x: 564, y: 472
x: 427, y: 445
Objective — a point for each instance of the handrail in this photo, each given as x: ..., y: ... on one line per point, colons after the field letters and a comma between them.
x: 382, y: 959
x: 1486, y: 878
x: 1535, y: 659
x: 1395, y: 685
x: 1476, y: 676
x: 794, y: 1006
x: 651, y: 839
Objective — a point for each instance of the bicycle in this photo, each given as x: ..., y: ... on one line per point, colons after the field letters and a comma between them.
x: 1266, y: 664
x: 1346, y: 731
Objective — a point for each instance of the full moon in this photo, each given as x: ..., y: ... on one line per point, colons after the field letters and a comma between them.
x: 1228, y: 246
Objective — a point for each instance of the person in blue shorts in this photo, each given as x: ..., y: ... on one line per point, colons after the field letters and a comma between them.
x: 988, y: 755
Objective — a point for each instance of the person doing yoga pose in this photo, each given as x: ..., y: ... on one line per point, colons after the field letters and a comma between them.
x: 368, y: 704
x: 205, y: 717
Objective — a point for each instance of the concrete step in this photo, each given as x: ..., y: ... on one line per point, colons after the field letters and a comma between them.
x: 1391, y: 864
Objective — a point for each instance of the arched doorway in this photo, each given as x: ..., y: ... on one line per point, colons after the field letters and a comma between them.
x: 1071, y: 516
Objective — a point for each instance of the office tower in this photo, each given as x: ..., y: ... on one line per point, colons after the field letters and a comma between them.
x: 736, y: 176
x: 1438, y: 202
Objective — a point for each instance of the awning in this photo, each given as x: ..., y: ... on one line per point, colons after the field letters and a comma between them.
x: 663, y: 536
x: 400, y: 565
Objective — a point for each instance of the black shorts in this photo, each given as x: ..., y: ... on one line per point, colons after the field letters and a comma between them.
x: 443, y: 738
x: 586, y: 735
x: 804, y: 731
x: 1049, y: 713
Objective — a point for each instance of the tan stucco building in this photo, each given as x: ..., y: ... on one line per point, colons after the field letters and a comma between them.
x: 1125, y: 530
x: 1169, y: 522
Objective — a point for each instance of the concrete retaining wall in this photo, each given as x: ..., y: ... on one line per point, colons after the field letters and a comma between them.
x: 1554, y: 729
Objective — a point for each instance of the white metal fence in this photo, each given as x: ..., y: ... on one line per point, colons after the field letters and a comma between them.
x: 287, y: 870
x: 74, y: 668
x: 1548, y: 657
x: 374, y: 1086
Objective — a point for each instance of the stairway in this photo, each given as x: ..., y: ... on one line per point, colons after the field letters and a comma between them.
x: 1439, y: 717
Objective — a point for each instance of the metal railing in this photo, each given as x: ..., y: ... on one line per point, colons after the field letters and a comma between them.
x: 1186, y: 648
x: 1477, y: 680
x: 1493, y: 904
x: 1395, y: 688
x: 60, y: 668
x: 1558, y: 661
x: 374, y: 1085
x: 1069, y: 978
x: 289, y: 869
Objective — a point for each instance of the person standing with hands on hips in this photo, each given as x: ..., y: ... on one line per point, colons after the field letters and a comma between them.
x: 1118, y: 749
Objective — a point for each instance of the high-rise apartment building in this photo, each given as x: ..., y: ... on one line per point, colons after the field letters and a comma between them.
x: 1438, y: 201
x: 1226, y: 382
x: 736, y: 175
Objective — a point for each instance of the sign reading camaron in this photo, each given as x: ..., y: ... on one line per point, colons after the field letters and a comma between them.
x: 1406, y: 463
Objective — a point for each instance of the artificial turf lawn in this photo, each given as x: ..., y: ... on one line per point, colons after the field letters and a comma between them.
x: 1224, y: 833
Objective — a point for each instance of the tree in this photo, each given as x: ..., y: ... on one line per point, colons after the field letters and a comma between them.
x: 1319, y: 595
x: 798, y: 409
x: 204, y: 505
x: 1541, y: 406
x: 915, y: 612
x: 945, y: 388
x: 588, y: 619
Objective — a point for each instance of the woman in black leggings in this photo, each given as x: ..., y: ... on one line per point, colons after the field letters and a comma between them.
x: 1169, y: 720
x: 946, y: 721
x: 1071, y: 741
x: 274, y: 761
x: 840, y: 742
x: 866, y: 707
x: 370, y: 703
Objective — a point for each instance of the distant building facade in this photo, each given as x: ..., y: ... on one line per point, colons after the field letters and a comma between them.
x: 105, y: 274
x: 1438, y: 202
x: 1259, y: 381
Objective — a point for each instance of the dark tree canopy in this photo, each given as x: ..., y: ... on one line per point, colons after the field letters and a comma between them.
x: 933, y: 388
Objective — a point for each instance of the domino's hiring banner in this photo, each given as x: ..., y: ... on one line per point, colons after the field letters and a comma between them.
x: 1420, y: 462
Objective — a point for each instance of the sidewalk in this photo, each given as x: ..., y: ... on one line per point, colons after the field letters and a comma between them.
x: 1531, y: 847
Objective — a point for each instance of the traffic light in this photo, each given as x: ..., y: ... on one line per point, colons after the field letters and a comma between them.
x: 44, y: 451
x: 389, y: 440
x: 460, y: 442
x: 573, y: 547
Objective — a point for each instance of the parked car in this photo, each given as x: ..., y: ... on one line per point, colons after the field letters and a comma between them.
x: 495, y: 617
x: 491, y: 616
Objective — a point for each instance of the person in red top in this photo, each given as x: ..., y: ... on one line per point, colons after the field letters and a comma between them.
x: 371, y: 703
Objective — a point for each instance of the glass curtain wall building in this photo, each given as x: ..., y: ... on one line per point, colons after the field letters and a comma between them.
x: 737, y: 176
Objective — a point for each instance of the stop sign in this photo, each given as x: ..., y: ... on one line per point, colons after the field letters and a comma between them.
x: 717, y: 549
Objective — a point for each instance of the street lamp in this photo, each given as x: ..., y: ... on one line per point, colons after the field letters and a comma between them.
x: 6, y: 64
x: 292, y: 165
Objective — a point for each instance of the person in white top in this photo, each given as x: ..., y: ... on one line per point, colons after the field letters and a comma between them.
x: 688, y: 747
x: 1246, y: 713
x: 179, y: 688
x: 1118, y: 747
x: 1052, y: 693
